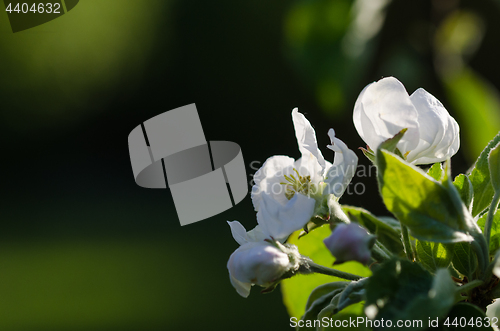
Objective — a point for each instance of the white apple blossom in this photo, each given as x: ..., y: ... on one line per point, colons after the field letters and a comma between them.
x: 384, y: 108
x: 258, y: 262
x: 286, y: 191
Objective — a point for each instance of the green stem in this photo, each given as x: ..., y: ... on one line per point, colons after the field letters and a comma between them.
x: 489, y: 220
x: 379, y: 254
x: 336, y: 212
x: 385, y: 249
x: 469, y: 286
x: 407, y: 243
x: 489, y: 270
x: 479, y: 249
x: 332, y: 272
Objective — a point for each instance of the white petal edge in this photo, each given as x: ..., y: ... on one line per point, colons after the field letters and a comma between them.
x: 239, y: 232
x: 241, y: 288
x: 306, y: 137
x: 343, y: 169
x: 439, y: 132
x: 242, y: 236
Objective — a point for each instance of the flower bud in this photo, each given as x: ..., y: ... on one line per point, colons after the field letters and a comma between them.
x: 350, y: 242
x: 384, y: 108
x: 261, y: 263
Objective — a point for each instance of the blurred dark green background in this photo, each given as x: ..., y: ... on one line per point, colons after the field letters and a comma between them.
x: 83, y: 248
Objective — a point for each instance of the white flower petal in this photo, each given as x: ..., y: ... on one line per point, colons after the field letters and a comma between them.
x: 493, y: 311
x: 241, y: 235
x: 242, y: 288
x: 439, y: 136
x: 308, y: 165
x: 306, y: 137
x: 281, y: 221
x: 257, y: 234
x: 269, y: 177
x: 382, y: 110
x: 363, y: 124
x: 340, y: 174
x: 239, y: 232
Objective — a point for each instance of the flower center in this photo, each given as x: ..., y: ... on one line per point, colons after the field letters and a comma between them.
x: 299, y: 184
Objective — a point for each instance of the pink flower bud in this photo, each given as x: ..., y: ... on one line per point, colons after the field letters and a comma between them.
x: 350, y: 242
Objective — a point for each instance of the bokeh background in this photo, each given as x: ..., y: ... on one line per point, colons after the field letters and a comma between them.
x: 83, y: 248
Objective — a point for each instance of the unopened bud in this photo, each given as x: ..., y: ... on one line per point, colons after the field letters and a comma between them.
x: 260, y: 263
x: 350, y: 242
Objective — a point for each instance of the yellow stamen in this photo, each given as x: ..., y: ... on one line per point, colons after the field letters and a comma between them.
x: 301, y: 184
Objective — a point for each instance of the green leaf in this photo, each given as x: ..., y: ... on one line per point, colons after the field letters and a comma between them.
x: 324, y: 289
x: 436, y: 171
x: 320, y: 298
x: 464, y: 259
x: 466, y: 220
x: 371, y: 222
x: 387, y: 229
x: 296, y: 290
x: 464, y: 187
x: 312, y: 311
x: 436, y: 303
x: 370, y: 155
x: 352, y: 294
x: 400, y: 289
x: 434, y: 255
x: 495, y: 231
x: 494, y: 166
x: 396, y: 281
x: 329, y: 310
x: 467, y: 311
x: 481, y: 181
x: 419, y: 202
x: 391, y: 143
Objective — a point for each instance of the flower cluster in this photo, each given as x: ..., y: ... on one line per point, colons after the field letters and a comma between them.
x: 286, y: 195
x: 289, y: 194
